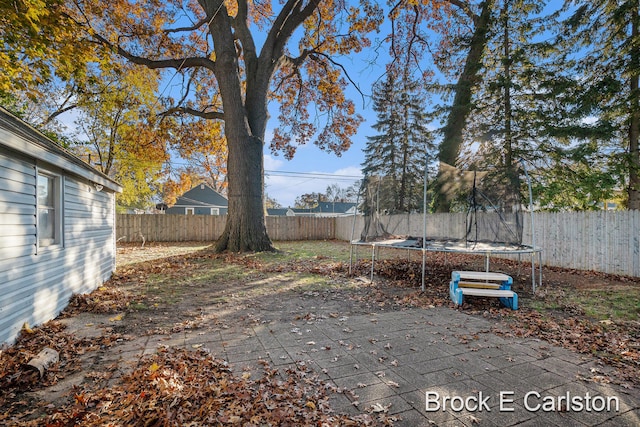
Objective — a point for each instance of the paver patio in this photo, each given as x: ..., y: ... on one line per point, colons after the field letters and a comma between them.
x: 396, y: 358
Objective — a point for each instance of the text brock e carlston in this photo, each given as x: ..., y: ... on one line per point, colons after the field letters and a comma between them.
x: 532, y: 401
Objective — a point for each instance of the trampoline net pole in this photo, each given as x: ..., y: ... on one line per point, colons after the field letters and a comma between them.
x: 424, y: 223
x: 533, y: 230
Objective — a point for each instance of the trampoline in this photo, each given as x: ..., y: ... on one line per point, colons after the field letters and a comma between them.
x: 493, y: 221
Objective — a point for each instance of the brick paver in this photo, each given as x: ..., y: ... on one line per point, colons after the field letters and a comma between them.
x: 396, y: 359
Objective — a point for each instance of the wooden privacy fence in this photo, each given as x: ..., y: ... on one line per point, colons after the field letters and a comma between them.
x: 185, y: 228
x: 601, y: 241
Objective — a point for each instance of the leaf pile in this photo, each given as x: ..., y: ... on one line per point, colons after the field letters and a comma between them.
x: 15, y: 378
x: 107, y: 299
x: 191, y: 388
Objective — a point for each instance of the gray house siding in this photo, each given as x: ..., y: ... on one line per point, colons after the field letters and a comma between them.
x: 18, y: 214
x: 37, y: 282
x: 197, y: 210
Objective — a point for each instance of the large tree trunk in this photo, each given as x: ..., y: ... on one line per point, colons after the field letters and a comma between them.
x: 245, y: 229
x: 453, y: 129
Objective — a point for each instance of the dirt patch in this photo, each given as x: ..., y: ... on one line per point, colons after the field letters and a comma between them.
x: 134, y: 253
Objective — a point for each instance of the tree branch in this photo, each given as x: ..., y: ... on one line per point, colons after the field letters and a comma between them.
x: 290, y: 17
x: 466, y: 8
x: 194, y: 27
x: 210, y: 115
x: 58, y: 112
x: 344, y: 70
x: 177, y: 63
x: 244, y: 35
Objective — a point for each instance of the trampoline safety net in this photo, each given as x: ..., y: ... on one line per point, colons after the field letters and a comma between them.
x: 488, y: 203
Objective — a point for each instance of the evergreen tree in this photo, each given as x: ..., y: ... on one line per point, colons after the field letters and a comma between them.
x: 523, y: 110
x: 601, y: 37
x: 397, y: 154
x: 507, y: 122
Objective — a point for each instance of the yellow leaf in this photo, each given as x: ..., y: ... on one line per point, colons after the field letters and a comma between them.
x: 310, y: 405
x: 246, y: 375
x: 154, y: 367
x: 26, y: 328
x: 116, y: 318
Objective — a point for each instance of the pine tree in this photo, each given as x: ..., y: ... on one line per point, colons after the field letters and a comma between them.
x: 380, y: 152
x: 524, y: 110
x: 397, y: 154
x: 506, y: 124
x: 603, y: 38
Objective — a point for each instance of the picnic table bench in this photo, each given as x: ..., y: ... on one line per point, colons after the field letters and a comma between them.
x: 484, y: 284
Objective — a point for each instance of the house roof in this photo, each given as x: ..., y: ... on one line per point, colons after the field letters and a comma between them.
x: 202, y: 195
x: 23, y: 138
x: 277, y: 211
x: 327, y: 207
x: 333, y: 207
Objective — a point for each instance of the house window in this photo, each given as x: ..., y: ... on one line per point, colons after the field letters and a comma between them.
x: 189, y: 211
x: 215, y: 211
x: 49, y: 222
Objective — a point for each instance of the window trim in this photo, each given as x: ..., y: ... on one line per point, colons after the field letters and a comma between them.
x: 214, y: 211
x: 58, y: 207
x: 187, y: 210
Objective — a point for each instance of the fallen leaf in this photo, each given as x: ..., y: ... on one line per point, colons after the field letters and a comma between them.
x: 26, y: 328
x: 379, y: 407
x: 474, y: 420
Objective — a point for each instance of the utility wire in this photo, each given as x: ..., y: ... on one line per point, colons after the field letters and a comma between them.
x: 310, y: 174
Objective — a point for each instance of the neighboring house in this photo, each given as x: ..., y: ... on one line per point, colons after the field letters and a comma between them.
x: 200, y: 200
x: 322, y: 209
x: 57, y: 227
x: 335, y: 209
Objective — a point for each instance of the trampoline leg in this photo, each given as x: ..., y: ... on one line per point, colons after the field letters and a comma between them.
x: 533, y: 272
x: 424, y: 261
x: 540, y: 266
x: 373, y: 260
x: 350, y: 259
